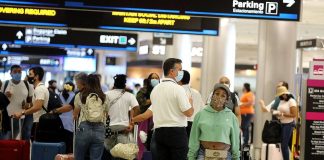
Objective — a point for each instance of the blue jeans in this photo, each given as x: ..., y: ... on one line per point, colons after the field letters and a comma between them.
x: 89, y: 138
x: 246, y: 122
x: 27, y: 127
x: 201, y: 154
x: 286, y: 132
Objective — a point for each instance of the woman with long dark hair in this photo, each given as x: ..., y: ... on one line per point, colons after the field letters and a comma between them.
x: 93, y: 107
x: 286, y: 112
x: 143, y: 98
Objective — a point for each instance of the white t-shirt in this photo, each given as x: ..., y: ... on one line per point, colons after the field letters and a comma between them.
x: 19, y: 94
x: 118, y: 112
x: 40, y: 93
x: 284, y: 107
x: 169, y: 101
x: 197, y: 101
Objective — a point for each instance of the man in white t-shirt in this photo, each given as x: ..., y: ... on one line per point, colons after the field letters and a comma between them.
x: 193, y: 94
x: 121, y: 110
x: 40, y: 97
x: 19, y: 93
x: 171, y: 108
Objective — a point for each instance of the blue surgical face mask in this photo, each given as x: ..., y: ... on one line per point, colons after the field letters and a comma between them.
x: 16, y: 76
x: 154, y: 82
x: 179, y: 77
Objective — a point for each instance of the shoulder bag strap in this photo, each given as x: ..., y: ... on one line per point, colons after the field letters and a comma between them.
x: 115, y: 100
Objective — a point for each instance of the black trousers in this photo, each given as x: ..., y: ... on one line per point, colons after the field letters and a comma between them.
x: 171, y: 143
x: 188, y: 128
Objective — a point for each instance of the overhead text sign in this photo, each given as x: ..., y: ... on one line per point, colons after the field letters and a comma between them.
x: 257, y: 9
x: 66, y: 38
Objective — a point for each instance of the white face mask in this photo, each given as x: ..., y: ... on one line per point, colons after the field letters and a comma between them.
x: 179, y: 77
x: 154, y: 82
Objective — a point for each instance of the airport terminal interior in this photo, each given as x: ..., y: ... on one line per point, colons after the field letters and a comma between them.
x: 266, y: 56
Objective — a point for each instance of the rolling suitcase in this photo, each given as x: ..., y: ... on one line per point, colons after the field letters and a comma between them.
x: 68, y: 156
x: 14, y: 149
x: 271, y: 152
x: 47, y: 151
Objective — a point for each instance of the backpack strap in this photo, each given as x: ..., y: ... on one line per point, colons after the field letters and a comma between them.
x: 45, y: 109
x: 26, y: 84
x: 5, y: 86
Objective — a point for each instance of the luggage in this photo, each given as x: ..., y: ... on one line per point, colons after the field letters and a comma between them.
x: 14, y: 149
x: 47, y: 151
x: 50, y: 128
x: 246, y: 153
x: 126, y: 151
x: 271, y: 152
x: 68, y: 156
x: 271, y: 132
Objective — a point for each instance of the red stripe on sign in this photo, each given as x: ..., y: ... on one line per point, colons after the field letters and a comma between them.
x: 315, y: 116
x: 315, y: 83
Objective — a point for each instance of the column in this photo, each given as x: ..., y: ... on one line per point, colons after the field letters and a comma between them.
x: 276, y: 62
x: 181, y: 49
x: 219, y: 57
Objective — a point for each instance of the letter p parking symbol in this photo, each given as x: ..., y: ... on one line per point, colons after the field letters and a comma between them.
x: 271, y: 8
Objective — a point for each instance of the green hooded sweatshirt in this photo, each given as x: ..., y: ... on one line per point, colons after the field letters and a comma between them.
x: 211, y: 125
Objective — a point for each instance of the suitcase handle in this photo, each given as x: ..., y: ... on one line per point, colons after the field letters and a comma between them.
x: 12, y: 128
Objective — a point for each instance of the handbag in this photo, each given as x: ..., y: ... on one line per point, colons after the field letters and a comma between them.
x: 126, y: 151
x: 211, y: 154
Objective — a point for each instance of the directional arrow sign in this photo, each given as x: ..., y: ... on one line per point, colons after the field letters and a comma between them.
x: 289, y: 2
x: 19, y: 34
x: 131, y: 41
x: 4, y: 46
x: 163, y: 41
x: 90, y: 51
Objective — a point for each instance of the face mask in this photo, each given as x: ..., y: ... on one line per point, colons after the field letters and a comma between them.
x: 281, y: 98
x: 31, y: 80
x: 179, y: 77
x: 154, y: 82
x: 217, y: 102
x: 16, y: 76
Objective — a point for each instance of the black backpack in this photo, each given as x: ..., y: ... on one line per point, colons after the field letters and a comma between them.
x: 54, y: 101
x: 271, y: 133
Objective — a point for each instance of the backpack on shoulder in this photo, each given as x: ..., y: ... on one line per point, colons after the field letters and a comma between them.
x: 94, y: 110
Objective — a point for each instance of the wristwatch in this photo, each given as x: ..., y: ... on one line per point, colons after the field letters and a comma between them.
x: 23, y: 112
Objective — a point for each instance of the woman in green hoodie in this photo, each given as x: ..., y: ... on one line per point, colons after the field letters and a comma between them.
x: 215, y: 130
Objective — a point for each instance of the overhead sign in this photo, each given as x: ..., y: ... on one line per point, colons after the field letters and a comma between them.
x: 162, y: 41
x: 310, y: 43
x: 101, y: 19
x: 162, y: 38
x: 65, y: 38
x: 258, y: 9
x: 21, y: 60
